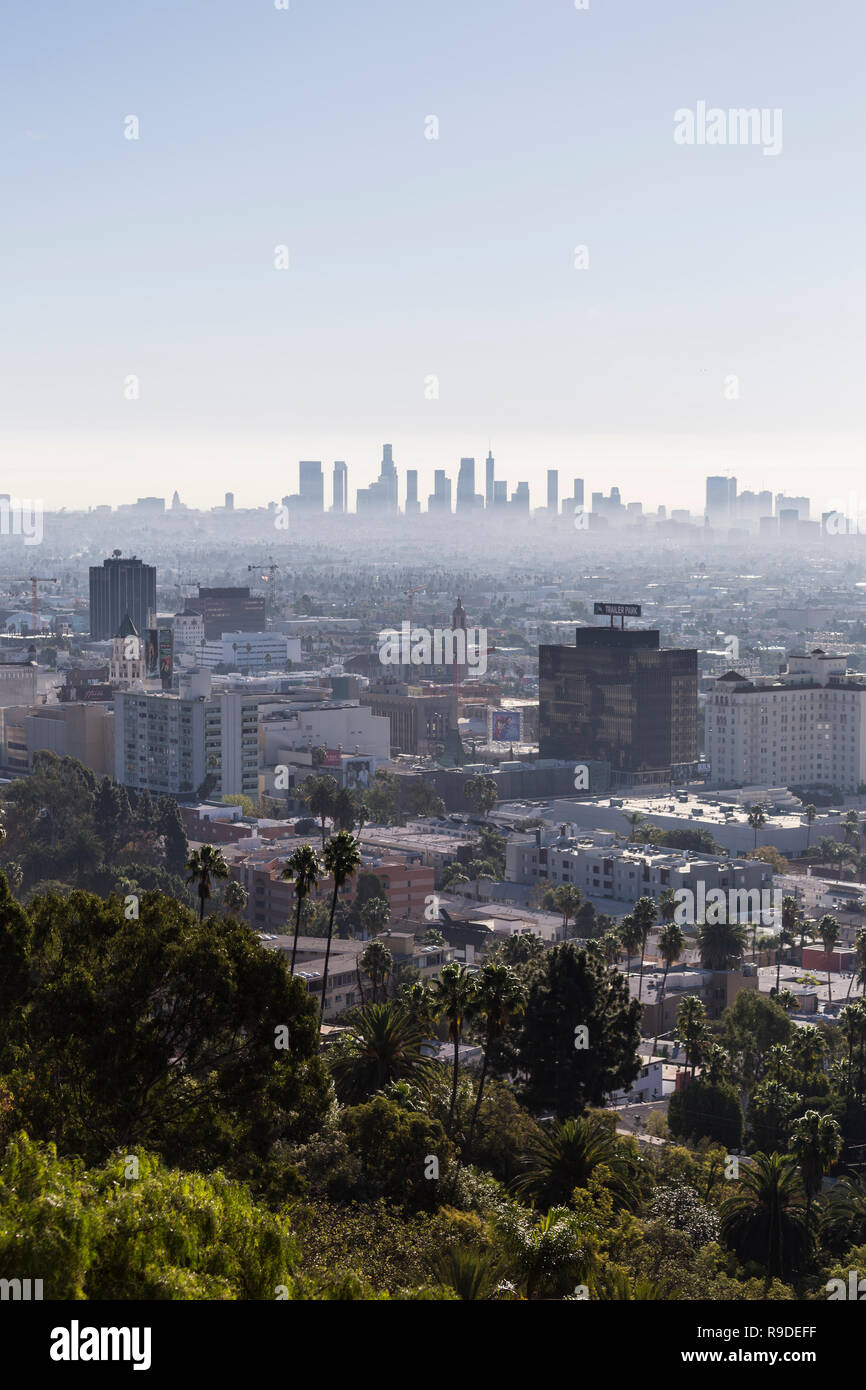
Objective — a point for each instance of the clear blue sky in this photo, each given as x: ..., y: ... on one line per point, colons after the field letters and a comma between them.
x: 412, y: 257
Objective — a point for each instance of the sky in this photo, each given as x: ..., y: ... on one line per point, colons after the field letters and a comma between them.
x: 432, y: 298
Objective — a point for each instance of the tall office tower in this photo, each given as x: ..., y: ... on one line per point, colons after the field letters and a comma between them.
x: 466, y: 498
x: 230, y: 502
x: 440, y: 498
x: 413, y: 506
x: 520, y: 498
x: 341, y: 487
x: 119, y: 588
x: 800, y: 505
x: 721, y: 502
x: 500, y: 494
x: 489, y: 481
x: 380, y: 496
x: 578, y: 492
x: 553, y: 491
x: 618, y: 697
x: 311, y: 487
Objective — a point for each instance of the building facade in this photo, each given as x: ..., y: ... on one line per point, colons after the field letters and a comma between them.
x: 121, y: 587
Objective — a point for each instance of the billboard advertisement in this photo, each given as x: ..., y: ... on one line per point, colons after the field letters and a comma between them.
x: 358, y: 774
x: 505, y: 726
x: 151, y: 651
x: 166, y: 656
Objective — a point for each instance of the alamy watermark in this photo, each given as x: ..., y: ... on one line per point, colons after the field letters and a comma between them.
x: 22, y: 516
x: 438, y: 646
x: 712, y: 125
x: 719, y: 905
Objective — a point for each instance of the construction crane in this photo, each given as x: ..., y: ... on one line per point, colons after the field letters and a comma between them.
x: 33, y: 580
x: 270, y: 578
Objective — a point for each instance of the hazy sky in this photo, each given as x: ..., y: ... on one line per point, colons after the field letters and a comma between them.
x: 412, y: 258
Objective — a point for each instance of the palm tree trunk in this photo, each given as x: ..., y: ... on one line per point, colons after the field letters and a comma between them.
x: 640, y: 981
x: 661, y: 1017
x: 297, y: 934
x: 454, y: 1084
x: 477, y: 1106
x: 328, y: 952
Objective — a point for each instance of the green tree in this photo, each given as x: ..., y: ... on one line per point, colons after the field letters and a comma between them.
x: 757, y: 818
x: 204, y: 865
x: 501, y: 998
x: 815, y: 1142
x: 377, y: 964
x: 382, y: 1045
x: 671, y: 946
x: 375, y: 915
x: 319, y: 794
x: 235, y: 896
x: 342, y: 858
x: 645, y: 913
x: 764, y: 1219
x: 580, y: 1031
x: 303, y: 868
x: 692, y: 1029
x: 567, y: 900
x: 631, y: 936
x: 722, y: 945
x: 828, y: 930
x: 707, y: 1110
x: 566, y: 1155
x: 482, y: 792
x: 455, y: 995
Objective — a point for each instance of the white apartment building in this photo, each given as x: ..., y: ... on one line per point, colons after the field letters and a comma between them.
x: 169, y: 743
x: 806, y: 727
x: 188, y: 629
x: 250, y: 651
x: 622, y: 874
x: 291, y: 731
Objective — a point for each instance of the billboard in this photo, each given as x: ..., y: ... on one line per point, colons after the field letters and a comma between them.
x: 617, y: 610
x: 166, y: 656
x: 358, y: 774
x: 332, y: 757
x: 151, y: 651
x: 504, y: 726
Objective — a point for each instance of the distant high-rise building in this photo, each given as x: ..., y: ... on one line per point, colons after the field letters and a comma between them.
x: 440, y: 498
x: 381, y: 496
x: 553, y: 491
x: 413, y: 506
x: 800, y: 505
x: 228, y: 610
x: 121, y: 587
x: 341, y: 487
x: 721, y: 502
x: 467, y: 500
x: 229, y: 503
x: 489, y: 480
x: 500, y: 494
x: 311, y: 486
x: 520, y: 498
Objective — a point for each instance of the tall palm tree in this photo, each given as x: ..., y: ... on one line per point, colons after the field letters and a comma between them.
x: 810, y: 813
x: 455, y: 994
x: 671, y: 944
x: 667, y: 904
x: 501, y: 996
x: 631, y: 937
x: 610, y: 947
x: 721, y: 945
x: 859, y: 971
x: 377, y: 963
x: 815, y: 1142
x: 565, y: 1155
x: 807, y: 1046
x: 568, y: 899
x: 204, y: 865
x: 342, y: 858
x: 765, y: 1219
x: 849, y: 827
x: 303, y: 868
x: 320, y: 794
x: 235, y: 896
x: 645, y: 913
x: 383, y: 1044
x: 757, y: 818
x: 786, y: 932
x: 828, y: 930
x: 634, y: 819
x: 692, y: 1028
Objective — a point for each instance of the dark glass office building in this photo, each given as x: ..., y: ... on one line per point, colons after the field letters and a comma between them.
x: 618, y: 697
x: 228, y: 610
x: 118, y: 589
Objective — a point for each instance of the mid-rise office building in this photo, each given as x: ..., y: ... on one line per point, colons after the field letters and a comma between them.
x: 467, y: 498
x: 440, y: 498
x: 619, y: 697
x: 413, y: 506
x: 228, y: 610
x: 721, y: 502
x: 553, y: 491
x: 806, y: 727
x: 119, y: 587
x: 311, y: 486
x: 341, y: 487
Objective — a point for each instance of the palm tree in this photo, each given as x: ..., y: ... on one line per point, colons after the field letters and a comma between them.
x: 667, y: 904
x: 671, y: 944
x: 568, y: 900
x: 843, y: 1222
x: 235, y: 896
x: 383, y: 1044
x: 764, y: 1219
x: 721, y: 945
x: 786, y: 932
x: 828, y: 930
x: 610, y: 947
x: 757, y: 818
x: 454, y: 996
x: 849, y: 827
x: 634, y: 819
x: 342, y: 858
x: 859, y: 973
x: 501, y: 996
x: 204, y: 865
x: 631, y: 937
x: 692, y: 1028
x: 377, y: 963
x: 810, y: 813
x: 807, y: 1046
x: 320, y: 794
x: 565, y: 1155
x: 304, y: 868
x: 645, y: 914
x: 815, y: 1142
x: 469, y: 1272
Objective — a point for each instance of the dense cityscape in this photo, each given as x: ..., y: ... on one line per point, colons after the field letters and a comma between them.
x: 432, y: 676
